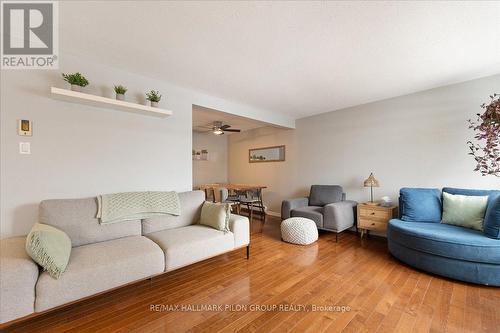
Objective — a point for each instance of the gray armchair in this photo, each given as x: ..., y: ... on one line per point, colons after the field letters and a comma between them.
x: 326, y: 206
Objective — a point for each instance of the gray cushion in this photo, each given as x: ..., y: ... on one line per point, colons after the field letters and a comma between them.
x: 339, y: 216
x: 324, y: 194
x: 18, y: 275
x: 77, y: 218
x: 314, y: 213
x: 94, y: 268
x: 191, y: 203
x: 187, y: 245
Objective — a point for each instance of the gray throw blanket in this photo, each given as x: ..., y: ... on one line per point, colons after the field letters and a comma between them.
x: 117, y: 207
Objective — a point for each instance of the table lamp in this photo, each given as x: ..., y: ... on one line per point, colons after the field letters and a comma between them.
x: 371, y: 182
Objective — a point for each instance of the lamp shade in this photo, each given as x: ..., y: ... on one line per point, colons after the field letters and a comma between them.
x: 371, y: 181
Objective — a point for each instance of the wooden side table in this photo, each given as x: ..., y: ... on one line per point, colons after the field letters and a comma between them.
x: 375, y: 217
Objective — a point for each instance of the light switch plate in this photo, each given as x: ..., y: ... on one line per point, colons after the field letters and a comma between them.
x: 24, y: 148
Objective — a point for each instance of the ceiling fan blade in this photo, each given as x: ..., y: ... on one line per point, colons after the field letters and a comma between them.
x: 225, y: 127
x: 232, y: 130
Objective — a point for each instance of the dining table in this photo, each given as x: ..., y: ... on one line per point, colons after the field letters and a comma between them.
x: 238, y: 188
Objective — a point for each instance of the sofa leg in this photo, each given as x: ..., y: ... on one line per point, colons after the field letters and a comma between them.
x: 248, y: 251
x: 336, y: 237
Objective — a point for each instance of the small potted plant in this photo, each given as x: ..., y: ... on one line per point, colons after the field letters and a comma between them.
x: 204, y: 154
x: 154, y: 97
x: 76, y: 80
x: 120, y: 92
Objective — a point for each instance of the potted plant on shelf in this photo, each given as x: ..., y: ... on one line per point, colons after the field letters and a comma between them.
x: 154, y: 97
x: 76, y: 80
x: 120, y: 92
x: 204, y: 154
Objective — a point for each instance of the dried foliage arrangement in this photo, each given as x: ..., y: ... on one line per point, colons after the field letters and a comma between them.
x: 487, y: 128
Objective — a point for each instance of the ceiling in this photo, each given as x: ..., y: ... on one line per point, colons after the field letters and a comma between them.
x: 294, y: 58
x: 203, y: 118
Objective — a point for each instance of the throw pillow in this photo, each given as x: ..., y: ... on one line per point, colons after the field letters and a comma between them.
x: 49, y: 247
x: 465, y: 211
x: 492, y: 219
x: 420, y: 204
x: 216, y: 215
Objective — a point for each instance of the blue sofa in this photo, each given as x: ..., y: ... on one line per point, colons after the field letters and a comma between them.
x: 420, y: 240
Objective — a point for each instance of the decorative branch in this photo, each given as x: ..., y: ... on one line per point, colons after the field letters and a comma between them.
x: 487, y: 128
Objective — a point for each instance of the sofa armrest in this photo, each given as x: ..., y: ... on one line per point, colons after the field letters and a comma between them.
x: 240, y: 227
x: 288, y: 205
x: 339, y: 216
x: 18, y: 276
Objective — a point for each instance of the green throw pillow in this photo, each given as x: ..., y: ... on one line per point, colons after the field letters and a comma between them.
x: 216, y: 215
x: 49, y: 247
x: 465, y: 211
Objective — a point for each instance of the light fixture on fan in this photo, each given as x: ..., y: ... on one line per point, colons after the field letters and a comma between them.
x: 219, y: 129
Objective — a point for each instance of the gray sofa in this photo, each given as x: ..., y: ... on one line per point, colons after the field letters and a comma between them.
x: 104, y: 257
x: 326, y: 206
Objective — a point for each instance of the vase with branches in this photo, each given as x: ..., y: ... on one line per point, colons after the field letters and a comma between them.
x: 486, y: 149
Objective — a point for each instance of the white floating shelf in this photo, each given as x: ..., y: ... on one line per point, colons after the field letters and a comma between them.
x: 109, y: 103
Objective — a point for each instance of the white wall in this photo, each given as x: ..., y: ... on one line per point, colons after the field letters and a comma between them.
x: 214, y: 170
x: 413, y: 140
x: 82, y: 151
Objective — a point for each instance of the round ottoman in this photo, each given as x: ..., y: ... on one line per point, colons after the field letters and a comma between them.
x: 299, y: 230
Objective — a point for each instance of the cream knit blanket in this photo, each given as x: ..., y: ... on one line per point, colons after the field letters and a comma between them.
x: 117, y: 207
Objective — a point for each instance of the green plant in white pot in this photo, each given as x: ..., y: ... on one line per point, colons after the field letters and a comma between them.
x: 154, y: 97
x: 76, y: 80
x: 120, y: 92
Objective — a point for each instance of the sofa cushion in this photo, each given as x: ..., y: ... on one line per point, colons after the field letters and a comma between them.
x: 492, y: 219
x: 187, y: 245
x: 18, y: 276
x: 215, y: 215
x: 77, y: 218
x: 314, y: 213
x: 420, y: 204
x: 49, y: 247
x: 94, y: 268
x: 464, y: 211
x: 321, y: 195
x: 191, y: 202
x: 445, y: 240
x: 492, y: 194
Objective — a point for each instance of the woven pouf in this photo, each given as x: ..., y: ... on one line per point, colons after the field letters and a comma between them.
x: 299, y: 230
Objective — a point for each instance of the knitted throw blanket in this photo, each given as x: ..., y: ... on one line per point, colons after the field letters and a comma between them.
x: 117, y: 207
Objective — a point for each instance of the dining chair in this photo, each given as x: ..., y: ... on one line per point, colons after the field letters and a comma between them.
x: 233, y: 200
x: 209, y: 194
x: 253, y: 199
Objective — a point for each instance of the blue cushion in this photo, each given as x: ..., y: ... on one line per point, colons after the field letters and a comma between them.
x: 492, y: 194
x: 492, y: 217
x: 445, y: 240
x: 420, y: 204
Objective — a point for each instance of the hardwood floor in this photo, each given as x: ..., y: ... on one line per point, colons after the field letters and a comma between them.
x: 382, y: 295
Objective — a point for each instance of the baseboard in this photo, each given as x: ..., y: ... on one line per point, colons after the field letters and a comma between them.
x: 271, y: 213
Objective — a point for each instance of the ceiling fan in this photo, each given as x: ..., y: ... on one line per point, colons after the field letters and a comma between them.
x: 218, y: 128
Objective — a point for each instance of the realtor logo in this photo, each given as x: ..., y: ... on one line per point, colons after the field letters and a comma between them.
x: 29, y: 35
